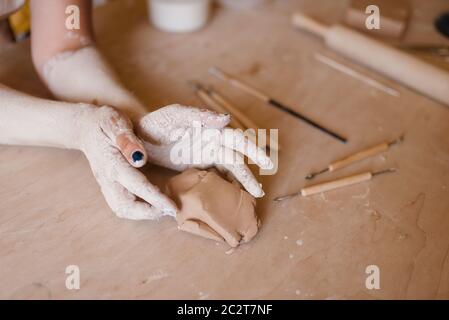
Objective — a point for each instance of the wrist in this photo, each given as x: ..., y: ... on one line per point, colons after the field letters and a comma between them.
x: 84, y: 76
x: 76, y: 121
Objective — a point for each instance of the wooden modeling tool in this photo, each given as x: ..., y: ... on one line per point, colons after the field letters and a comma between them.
x: 203, y: 94
x: 241, y: 117
x: 358, y: 156
x: 357, y: 75
x: 238, y: 121
x: 261, y: 96
x: 335, y: 184
x: 391, y: 62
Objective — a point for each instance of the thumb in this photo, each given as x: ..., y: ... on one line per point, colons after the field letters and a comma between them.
x: 120, y: 130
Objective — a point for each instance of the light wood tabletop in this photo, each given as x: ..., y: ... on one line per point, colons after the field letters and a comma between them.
x: 52, y: 213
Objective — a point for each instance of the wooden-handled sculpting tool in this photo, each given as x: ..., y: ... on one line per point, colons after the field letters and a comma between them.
x: 357, y: 75
x: 242, y: 118
x: 335, y: 184
x: 391, y: 62
x: 204, y: 95
x: 240, y: 121
x: 358, y: 156
x: 261, y: 96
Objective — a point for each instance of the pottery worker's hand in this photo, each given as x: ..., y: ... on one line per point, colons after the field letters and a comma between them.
x: 103, y: 134
x: 114, y: 153
x: 172, y: 129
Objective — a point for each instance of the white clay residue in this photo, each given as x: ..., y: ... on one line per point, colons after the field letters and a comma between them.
x: 362, y: 196
x: 157, y: 275
x: 203, y: 295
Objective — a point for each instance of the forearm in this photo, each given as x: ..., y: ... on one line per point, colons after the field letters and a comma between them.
x: 68, y: 62
x: 27, y: 120
x: 84, y: 76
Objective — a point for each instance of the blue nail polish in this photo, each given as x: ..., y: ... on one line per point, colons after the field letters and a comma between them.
x: 137, y: 156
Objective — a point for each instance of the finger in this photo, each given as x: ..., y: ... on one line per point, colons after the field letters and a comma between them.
x: 214, y: 120
x: 236, y: 140
x: 241, y: 172
x: 136, y: 183
x: 161, y: 155
x: 208, y: 118
x: 125, y: 205
x: 132, y: 149
x: 161, y: 125
x: 120, y: 130
x: 185, y: 116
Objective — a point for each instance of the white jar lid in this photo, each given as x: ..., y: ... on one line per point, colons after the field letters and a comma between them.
x: 179, y: 15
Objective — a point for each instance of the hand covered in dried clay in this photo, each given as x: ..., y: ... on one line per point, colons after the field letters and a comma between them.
x: 104, y: 135
x: 110, y: 146
x: 172, y: 129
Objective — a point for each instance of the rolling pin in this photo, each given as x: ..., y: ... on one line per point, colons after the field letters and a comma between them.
x: 358, y: 156
x: 399, y: 66
x: 335, y: 184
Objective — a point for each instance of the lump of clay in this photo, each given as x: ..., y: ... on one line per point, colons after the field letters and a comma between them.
x: 213, y: 208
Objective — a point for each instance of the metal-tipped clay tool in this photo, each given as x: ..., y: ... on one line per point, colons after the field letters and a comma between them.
x: 363, y: 154
x: 261, y: 96
x: 335, y: 184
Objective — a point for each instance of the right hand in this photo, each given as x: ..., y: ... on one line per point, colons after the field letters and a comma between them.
x: 173, y: 127
x: 114, y: 153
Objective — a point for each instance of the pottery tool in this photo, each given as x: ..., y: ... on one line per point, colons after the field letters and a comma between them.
x: 358, y: 156
x: 241, y: 117
x: 357, y: 75
x: 261, y: 96
x: 210, y: 102
x: 399, y: 66
x: 335, y: 184
x: 238, y: 120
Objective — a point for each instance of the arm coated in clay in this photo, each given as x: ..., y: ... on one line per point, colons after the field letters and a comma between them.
x: 68, y: 61
x: 77, y: 72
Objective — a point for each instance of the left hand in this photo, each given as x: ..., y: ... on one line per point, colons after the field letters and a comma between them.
x: 172, y: 129
x: 107, y: 139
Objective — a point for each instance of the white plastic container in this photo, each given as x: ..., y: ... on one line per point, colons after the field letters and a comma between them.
x: 179, y: 15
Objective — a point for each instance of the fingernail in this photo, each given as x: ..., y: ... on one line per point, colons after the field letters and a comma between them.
x: 137, y: 156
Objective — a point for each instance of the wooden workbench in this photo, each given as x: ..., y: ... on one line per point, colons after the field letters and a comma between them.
x: 52, y: 213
